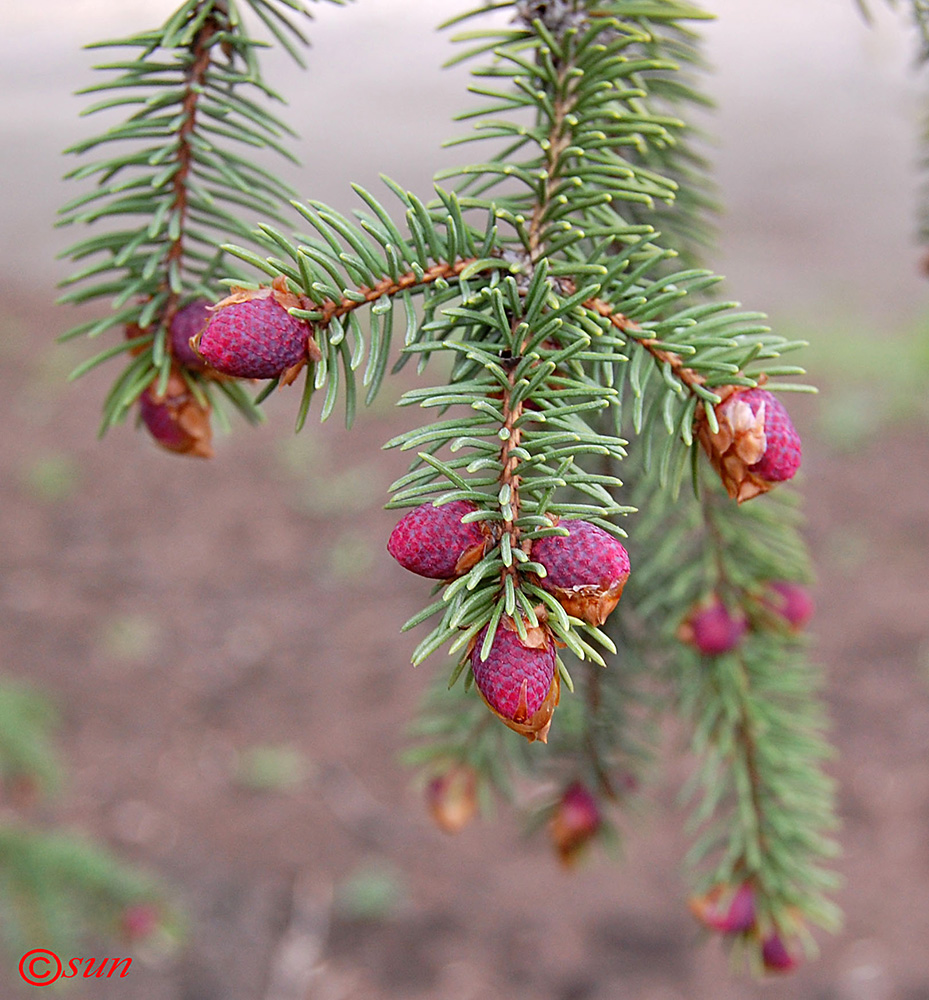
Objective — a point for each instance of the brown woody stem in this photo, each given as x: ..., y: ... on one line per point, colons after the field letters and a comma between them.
x: 686, y: 375
x: 331, y: 309
x: 558, y: 140
x: 594, y: 707
x: 509, y: 475
x: 744, y: 726
x: 194, y: 79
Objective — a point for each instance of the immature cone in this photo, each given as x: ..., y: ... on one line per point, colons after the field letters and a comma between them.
x: 139, y: 921
x: 177, y: 420
x: 575, y: 822
x: 713, y: 629
x: 518, y: 680
x: 775, y: 955
x: 452, y: 798
x: 756, y: 445
x: 189, y: 322
x: 435, y: 543
x: 252, y: 335
x: 790, y: 601
x: 586, y: 570
x: 724, y: 909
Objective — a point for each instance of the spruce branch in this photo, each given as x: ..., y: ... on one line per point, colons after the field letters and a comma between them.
x: 529, y: 300
x: 763, y: 808
x: 580, y: 136
x: 56, y: 887
x: 557, y: 282
x: 194, y: 80
x: 59, y: 888
x: 174, y: 174
x: 919, y: 14
x: 345, y: 266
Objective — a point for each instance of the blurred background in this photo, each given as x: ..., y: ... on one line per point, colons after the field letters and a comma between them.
x: 222, y: 638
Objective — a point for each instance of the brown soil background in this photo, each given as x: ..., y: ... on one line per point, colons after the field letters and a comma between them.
x: 181, y: 613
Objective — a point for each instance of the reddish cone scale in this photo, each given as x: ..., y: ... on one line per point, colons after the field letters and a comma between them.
x: 790, y: 601
x: 433, y: 541
x: 756, y: 445
x: 725, y: 910
x: 176, y: 420
x: 713, y: 629
x: 586, y: 570
x: 575, y: 822
x: 188, y: 322
x: 518, y: 680
x: 252, y: 335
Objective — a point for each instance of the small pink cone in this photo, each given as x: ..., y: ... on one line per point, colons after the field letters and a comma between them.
x: 713, y: 629
x: 575, y: 822
x: 726, y: 910
x: 452, y: 798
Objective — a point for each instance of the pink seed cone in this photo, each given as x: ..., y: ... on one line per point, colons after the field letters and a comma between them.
x: 756, y: 445
x: 139, y: 921
x: 254, y: 339
x: 518, y: 680
x: 713, y: 629
x: 433, y: 541
x: 188, y: 322
x: 783, y: 452
x: 575, y: 822
x: 253, y: 335
x: 176, y: 420
x: 452, y: 798
x: 586, y: 570
x: 725, y: 910
x: 775, y: 955
x: 791, y: 601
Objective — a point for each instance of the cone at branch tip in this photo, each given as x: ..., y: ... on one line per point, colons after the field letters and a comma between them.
x: 188, y: 322
x: 776, y: 956
x: 725, y: 908
x: 251, y: 334
x: 790, y: 601
x: 756, y: 445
